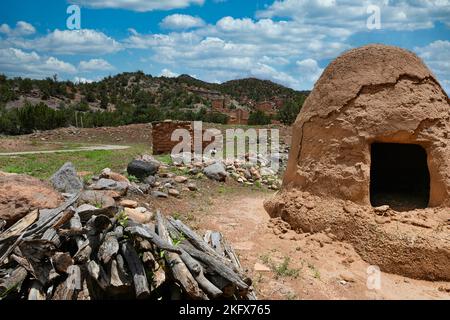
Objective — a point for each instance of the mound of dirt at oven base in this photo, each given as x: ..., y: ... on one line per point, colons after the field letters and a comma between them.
x: 414, y: 244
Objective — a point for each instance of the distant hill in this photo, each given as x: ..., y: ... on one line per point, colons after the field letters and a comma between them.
x: 135, y: 97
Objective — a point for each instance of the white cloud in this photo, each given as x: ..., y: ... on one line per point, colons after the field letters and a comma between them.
x: 181, y: 21
x: 168, y: 74
x: 352, y: 14
x: 309, y: 71
x: 70, y: 42
x: 82, y: 80
x: 22, y: 29
x: 437, y: 56
x: 138, y: 5
x: 16, y: 62
x: 95, y: 65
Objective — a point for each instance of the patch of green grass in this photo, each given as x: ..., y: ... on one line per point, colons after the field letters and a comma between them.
x: 283, y: 270
x: 132, y: 178
x: 44, y: 166
x: 314, y: 270
x: 164, y: 158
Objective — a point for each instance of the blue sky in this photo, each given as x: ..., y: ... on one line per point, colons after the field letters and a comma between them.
x: 287, y: 41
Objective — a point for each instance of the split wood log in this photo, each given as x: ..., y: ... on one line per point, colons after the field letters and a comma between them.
x: 20, y: 226
x: 109, y: 248
x: 216, y: 265
x: 144, y: 232
x: 75, y: 224
x: 14, y: 281
x: 179, y: 270
x: 48, y: 217
x: 98, y: 274
x: 137, y: 270
x: 216, y: 243
x: 51, y: 235
x: 119, y: 283
x: 69, y: 289
x: 197, y: 271
x: 36, y: 292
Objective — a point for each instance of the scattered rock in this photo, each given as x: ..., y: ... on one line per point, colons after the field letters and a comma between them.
x: 150, y: 180
x: 159, y: 194
x: 22, y: 194
x: 139, y: 215
x: 347, y: 276
x: 192, y: 187
x: 142, y: 169
x: 96, y: 198
x: 381, y: 209
x: 66, y: 179
x: 259, y: 267
x: 108, y: 184
x: 128, y: 203
x: 180, y: 179
x: 108, y: 174
x: 216, y: 171
x: 174, y: 192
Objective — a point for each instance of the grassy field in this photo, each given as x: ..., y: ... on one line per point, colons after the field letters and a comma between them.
x: 44, y: 165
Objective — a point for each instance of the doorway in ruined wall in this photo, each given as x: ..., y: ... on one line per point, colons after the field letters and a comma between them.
x: 399, y: 176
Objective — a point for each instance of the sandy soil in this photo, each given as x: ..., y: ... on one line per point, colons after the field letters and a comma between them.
x: 326, y: 269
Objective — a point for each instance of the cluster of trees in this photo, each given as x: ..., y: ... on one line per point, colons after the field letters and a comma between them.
x: 40, y: 117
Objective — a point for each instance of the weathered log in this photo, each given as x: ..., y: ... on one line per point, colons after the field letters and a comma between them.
x: 146, y: 233
x: 216, y: 265
x: 51, y: 235
x: 137, y: 270
x: 13, y: 282
x: 20, y: 226
x: 48, y: 217
x: 197, y: 271
x: 62, y: 261
x: 197, y: 241
x: 109, y: 248
x: 75, y: 224
x: 179, y: 270
x: 216, y: 243
x: 98, y: 274
x: 69, y: 289
x: 36, y: 292
x: 119, y: 283
x: 150, y: 262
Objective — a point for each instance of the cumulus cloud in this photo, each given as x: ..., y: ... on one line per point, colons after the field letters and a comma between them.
x: 309, y: 71
x: 437, y: 56
x: 70, y: 42
x: 352, y: 14
x: 181, y: 21
x: 22, y: 29
x: 95, y: 65
x: 82, y: 80
x: 16, y: 62
x: 138, y: 5
x: 168, y: 74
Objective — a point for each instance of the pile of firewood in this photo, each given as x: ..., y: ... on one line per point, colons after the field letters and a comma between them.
x: 60, y: 254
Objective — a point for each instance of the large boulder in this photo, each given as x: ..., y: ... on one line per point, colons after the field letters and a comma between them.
x: 216, y: 171
x: 142, y: 169
x: 21, y: 194
x: 66, y: 179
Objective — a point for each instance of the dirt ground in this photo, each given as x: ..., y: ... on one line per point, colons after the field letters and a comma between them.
x: 318, y: 268
x: 282, y: 263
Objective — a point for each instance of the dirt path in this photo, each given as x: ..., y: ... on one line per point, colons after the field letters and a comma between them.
x: 309, y: 267
x: 87, y: 148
